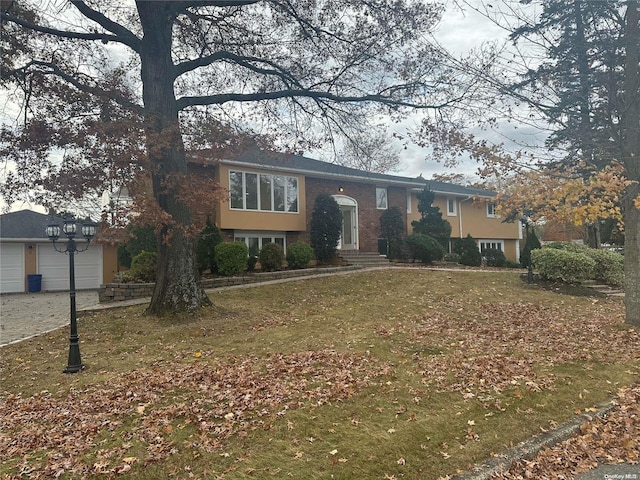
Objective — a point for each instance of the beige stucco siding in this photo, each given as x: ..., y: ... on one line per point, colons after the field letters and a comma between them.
x: 511, y: 250
x: 469, y: 213
x: 227, y: 218
x: 476, y: 222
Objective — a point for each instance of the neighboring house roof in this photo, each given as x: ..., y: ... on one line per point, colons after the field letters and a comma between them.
x: 26, y: 225
x: 310, y: 166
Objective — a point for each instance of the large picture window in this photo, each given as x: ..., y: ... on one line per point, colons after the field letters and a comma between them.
x: 257, y: 191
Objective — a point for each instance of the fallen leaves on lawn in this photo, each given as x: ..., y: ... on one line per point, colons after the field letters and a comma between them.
x: 504, y: 346
x: 612, y: 439
x: 51, y: 435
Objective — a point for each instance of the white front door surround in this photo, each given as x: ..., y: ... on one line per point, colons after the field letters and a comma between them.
x: 349, y: 234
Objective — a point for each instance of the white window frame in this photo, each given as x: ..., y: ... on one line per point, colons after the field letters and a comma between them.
x: 454, y: 212
x: 490, y: 243
x: 491, y: 210
x: 272, y: 182
x: 382, y: 199
x: 409, y: 202
x: 263, y: 237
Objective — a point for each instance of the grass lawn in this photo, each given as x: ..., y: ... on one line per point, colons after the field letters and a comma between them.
x: 401, y: 373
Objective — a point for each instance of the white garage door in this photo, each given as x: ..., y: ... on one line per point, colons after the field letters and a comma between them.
x: 54, y: 267
x: 11, y: 267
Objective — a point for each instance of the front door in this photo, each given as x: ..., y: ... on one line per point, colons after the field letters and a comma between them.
x: 349, y: 238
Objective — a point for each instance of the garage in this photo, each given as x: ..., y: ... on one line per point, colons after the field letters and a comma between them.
x: 12, y: 275
x: 25, y: 249
x: 54, y: 267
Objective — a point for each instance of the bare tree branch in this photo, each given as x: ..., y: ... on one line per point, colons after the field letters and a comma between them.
x: 219, y: 99
x: 131, y: 41
x: 123, y: 34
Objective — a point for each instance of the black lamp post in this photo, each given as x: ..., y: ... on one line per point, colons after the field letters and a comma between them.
x: 69, y: 228
x: 525, y: 223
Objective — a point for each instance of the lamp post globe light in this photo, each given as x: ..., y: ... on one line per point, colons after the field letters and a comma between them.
x: 69, y: 228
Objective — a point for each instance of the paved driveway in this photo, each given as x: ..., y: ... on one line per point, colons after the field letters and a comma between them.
x: 23, y: 315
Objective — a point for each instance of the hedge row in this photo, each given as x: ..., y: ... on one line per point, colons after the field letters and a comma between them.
x: 575, y: 263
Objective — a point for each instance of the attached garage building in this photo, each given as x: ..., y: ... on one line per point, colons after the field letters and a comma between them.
x: 25, y: 249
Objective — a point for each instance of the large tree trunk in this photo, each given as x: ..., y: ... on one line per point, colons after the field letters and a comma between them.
x: 632, y: 260
x: 177, y: 282
x: 631, y: 126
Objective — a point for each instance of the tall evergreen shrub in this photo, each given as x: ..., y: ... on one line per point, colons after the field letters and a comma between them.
x: 206, y: 247
x: 393, y: 230
x: 431, y: 222
x: 326, y: 227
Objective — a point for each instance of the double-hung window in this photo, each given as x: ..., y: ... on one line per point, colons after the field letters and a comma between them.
x: 264, y: 192
x: 452, y: 207
x: 491, y: 210
x: 381, y: 198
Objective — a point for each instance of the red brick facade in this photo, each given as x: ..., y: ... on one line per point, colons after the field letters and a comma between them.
x: 365, y: 196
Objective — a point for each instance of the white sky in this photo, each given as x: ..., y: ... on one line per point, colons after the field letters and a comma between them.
x: 460, y: 32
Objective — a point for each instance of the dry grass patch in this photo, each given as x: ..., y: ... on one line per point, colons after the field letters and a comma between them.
x: 387, y: 374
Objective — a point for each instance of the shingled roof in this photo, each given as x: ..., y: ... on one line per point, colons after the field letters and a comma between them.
x: 311, y: 167
x: 26, y: 225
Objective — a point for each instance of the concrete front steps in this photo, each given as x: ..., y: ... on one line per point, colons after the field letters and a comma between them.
x: 366, y: 259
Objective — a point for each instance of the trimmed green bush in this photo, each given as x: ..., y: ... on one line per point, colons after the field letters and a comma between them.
x: 563, y: 265
x: 494, y: 257
x: 231, y: 258
x: 569, y: 246
x: 452, y: 257
x: 424, y: 248
x: 271, y: 257
x: 299, y: 254
x: 468, y: 250
x: 609, y: 266
x: 143, y: 267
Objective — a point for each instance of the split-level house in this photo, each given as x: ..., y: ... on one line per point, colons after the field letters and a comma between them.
x: 271, y: 197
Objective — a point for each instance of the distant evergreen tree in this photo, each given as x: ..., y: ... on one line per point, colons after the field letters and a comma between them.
x: 326, y: 227
x: 431, y: 222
